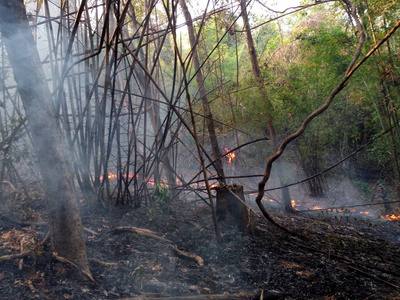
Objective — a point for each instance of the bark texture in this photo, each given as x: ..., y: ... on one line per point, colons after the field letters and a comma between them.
x: 64, y: 219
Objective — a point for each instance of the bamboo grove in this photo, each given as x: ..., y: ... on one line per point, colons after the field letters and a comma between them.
x: 148, y: 93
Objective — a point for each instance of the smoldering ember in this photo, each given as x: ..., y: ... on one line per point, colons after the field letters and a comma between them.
x: 199, y: 149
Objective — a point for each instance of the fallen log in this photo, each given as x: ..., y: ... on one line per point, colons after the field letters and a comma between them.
x: 265, y: 295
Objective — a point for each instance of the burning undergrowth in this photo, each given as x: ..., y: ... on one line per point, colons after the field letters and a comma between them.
x: 334, y: 254
x: 130, y: 255
x: 343, y: 199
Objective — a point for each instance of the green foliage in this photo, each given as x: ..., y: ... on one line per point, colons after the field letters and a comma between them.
x: 301, y: 69
x: 299, y: 75
x: 161, y: 202
x: 138, y: 275
x: 364, y: 188
x: 361, y: 242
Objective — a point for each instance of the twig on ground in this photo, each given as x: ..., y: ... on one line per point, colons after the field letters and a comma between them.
x: 141, y: 231
x: 103, y: 263
x: 197, y: 258
x: 17, y: 255
x: 155, y: 235
x: 91, y: 231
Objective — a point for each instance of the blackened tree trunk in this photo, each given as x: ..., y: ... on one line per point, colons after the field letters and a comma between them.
x: 64, y: 219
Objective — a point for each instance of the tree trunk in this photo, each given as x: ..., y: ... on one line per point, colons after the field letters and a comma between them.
x: 260, y: 84
x: 200, y: 83
x: 64, y: 219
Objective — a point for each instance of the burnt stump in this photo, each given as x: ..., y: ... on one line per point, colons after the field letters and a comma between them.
x: 231, y: 208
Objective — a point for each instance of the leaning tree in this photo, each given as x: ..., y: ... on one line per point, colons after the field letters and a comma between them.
x: 66, y: 230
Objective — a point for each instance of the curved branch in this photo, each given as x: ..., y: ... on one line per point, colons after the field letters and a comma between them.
x: 307, y: 120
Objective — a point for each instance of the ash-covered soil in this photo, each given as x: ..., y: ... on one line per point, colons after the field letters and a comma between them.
x: 328, y: 258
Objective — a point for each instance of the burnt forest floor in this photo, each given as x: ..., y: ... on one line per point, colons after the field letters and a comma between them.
x: 329, y: 258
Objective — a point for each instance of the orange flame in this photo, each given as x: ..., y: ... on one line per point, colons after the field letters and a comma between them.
x: 115, y: 176
x: 391, y: 217
x: 110, y: 176
x: 231, y: 156
x: 214, y: 186
x: 263, y: 198
x: 365, y: 213
x: 294, y: 204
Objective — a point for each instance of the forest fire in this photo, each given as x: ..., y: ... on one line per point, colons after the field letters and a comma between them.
x: 390, y: 217
x: 131, y: 175
x: 114, y: 176
x: 295, y: 205
x: 230, y: 156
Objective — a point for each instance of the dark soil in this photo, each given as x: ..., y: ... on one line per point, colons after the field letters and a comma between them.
x: 330, y: 258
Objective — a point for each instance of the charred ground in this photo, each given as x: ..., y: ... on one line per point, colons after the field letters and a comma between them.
x: 330, y: 258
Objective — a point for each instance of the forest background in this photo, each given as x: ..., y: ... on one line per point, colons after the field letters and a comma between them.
x: 146, y: 104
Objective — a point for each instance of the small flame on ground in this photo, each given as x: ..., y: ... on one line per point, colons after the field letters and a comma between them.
x: 231, y: 157
x: 151, y: 182
x: 110, y: 176
x: 346, y: 210
x: 365, y: 213
x: 115, y: 176
x: 391, y: 217
x: 263, y: 198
